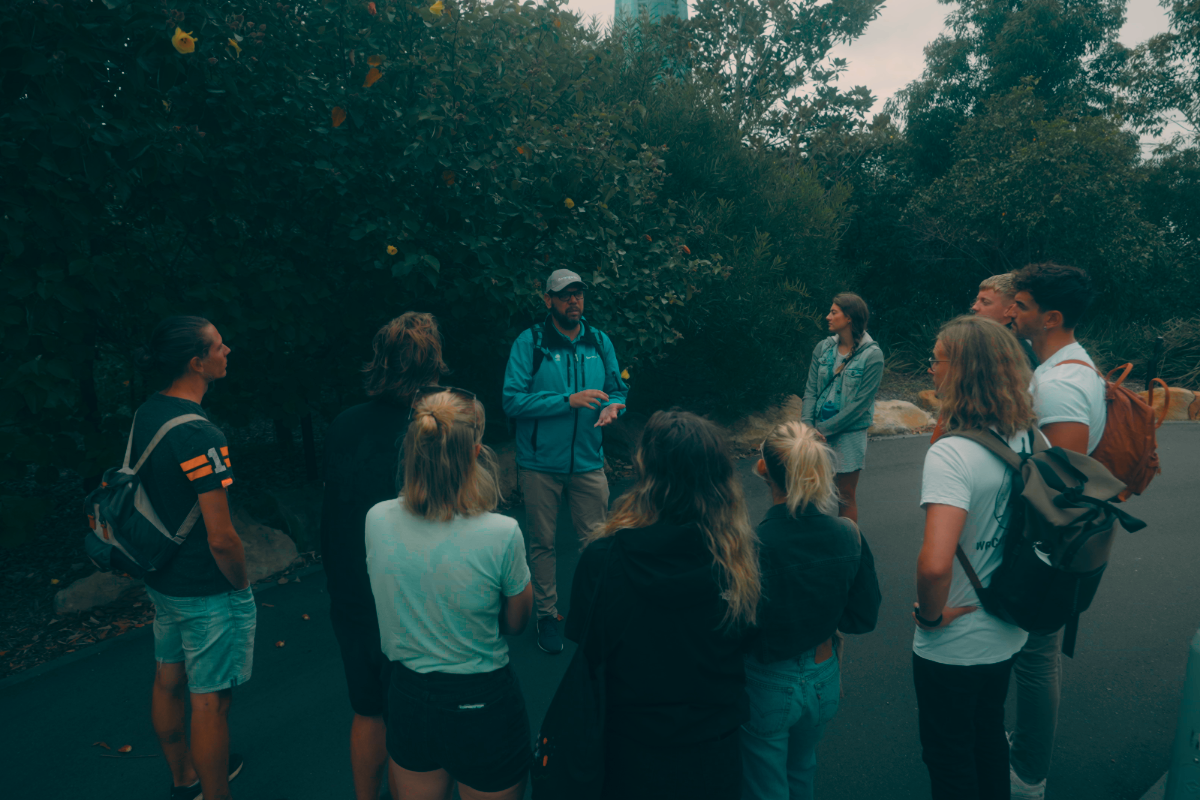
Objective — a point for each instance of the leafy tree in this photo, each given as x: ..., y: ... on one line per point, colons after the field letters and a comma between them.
x: 1066, y: 51
x: 770, y: 62
x: 299, y: 174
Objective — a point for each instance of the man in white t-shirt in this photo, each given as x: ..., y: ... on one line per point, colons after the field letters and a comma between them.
x: 1069, y: 400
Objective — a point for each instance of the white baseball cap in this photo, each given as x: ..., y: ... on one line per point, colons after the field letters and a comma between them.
x: 561, y: 279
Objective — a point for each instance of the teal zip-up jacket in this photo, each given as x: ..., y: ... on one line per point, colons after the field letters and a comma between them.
x: 552, y: 436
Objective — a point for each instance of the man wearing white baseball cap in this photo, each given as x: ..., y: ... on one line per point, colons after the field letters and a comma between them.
x: 561, y: 386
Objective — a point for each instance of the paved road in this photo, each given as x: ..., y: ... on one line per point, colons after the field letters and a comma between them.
x: 1120, y: 695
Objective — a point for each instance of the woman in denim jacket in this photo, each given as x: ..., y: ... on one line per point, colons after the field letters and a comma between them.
x: 839, y: 398
x: 818, y: 578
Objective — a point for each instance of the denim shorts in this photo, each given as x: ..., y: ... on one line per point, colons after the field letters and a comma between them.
x: 213, y: 636
x: 473, y: 726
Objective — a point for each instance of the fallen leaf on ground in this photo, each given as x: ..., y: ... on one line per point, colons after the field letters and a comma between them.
x: 305, y: 616
x: 267, y: 605
x: 282, y: 581
x: 125, y: 748
x: 101, y: 744
x: 279, y: 643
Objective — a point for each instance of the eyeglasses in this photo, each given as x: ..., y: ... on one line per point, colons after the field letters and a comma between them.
x: 574, y: 294
x: 425, y: 391
x: 934, y: 360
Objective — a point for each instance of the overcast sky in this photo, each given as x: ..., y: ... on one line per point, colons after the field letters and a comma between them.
x: 889, y: 55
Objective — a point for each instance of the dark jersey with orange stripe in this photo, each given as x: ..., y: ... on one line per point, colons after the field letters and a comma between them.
x: 192, y: 459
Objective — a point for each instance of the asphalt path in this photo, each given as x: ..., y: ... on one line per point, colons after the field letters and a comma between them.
x: 291, y: 721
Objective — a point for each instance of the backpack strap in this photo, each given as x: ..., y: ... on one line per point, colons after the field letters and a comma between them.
x: 992, y: 442
x: 967, y: 568
x: 158, y: 437
x: 129, y: 444
x: 539, y: 355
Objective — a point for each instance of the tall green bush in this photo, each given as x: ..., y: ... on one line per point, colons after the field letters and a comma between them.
x: 304, y: 173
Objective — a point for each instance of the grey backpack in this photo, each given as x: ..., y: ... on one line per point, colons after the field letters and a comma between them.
x: 1059, y: 536
x: 127, y: 535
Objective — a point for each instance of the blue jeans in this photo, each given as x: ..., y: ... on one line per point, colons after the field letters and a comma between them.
x: 790, y: 703
x: 212, y: 636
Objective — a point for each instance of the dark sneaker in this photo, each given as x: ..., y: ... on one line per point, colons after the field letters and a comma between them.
x: 548, y: 637
x: 193, y: 792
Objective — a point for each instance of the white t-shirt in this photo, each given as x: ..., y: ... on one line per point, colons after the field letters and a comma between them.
x: 963, y: 474
x: 1072, y: 393
x: 437, y: 587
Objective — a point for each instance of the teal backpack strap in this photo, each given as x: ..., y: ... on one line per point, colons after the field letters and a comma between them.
x: 158, y: 437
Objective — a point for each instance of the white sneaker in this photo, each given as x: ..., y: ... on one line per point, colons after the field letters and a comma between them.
x: 1020, y: 790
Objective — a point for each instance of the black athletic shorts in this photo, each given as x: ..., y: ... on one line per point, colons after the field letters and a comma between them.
x: 473, y: 726
x: 365, y: 664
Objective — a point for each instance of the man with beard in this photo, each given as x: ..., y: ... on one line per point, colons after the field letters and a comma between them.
x: 561, y: 386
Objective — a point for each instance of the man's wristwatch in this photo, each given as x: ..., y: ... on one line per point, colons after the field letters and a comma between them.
x: 928, y: 623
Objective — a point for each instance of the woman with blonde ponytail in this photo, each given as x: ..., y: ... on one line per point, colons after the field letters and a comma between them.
x: 449, y: 577
x: 667, y: 591
x: 818, y: 578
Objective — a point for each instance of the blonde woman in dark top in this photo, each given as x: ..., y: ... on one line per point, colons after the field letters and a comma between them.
x: 818, y: 578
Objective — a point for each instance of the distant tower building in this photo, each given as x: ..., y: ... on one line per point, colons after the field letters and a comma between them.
x: 657, y: 9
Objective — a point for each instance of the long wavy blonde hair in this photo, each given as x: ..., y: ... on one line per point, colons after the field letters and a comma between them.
x: 443, y: 475
x: 685, y: 475
x: 987, y: 383
x: 800, y: 464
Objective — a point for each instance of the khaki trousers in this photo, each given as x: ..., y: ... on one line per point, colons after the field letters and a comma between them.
x: 587, y: 496
x: 1038, y: 673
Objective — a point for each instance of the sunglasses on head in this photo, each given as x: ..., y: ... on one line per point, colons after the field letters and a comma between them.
x: 425, y: 391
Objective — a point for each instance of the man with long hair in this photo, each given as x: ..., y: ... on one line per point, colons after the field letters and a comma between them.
x: 1069, y: 399
x: 561, y: 386
x: 963, y: 656
x: 360, y: 469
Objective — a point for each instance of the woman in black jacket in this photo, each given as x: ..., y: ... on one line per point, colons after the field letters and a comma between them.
x: 818, y: 578
x: 677, y: 571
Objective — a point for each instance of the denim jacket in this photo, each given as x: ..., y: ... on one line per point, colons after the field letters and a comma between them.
x: 818, y: 577
x: 860, y: 381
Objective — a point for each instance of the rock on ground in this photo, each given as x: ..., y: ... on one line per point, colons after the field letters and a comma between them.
x: 898, y: 416
x: 929, y: 401
x: 97, y: 589
x: 1182, y: 401
x: 267, y: 550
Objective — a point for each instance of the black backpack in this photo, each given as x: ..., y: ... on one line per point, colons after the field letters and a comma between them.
x: 127, y: 534
x: 1059, y: 537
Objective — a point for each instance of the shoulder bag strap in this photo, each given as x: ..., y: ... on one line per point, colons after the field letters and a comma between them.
x: 129, y: 444
x: 992, y: 442
x: 967, y: 568
x: 591, y: 615
x: 1089, y: 366
x: 158, y: 437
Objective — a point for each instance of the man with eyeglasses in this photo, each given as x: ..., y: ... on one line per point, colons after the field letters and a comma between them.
x: 561, y: 386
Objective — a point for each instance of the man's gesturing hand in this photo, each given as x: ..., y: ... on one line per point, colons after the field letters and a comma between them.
x: 588, y: 398
x: 608, y: 414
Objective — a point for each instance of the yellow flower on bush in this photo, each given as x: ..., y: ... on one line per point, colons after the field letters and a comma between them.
x: 624, y: 374
x: 437, y: 8
x: 339, y: 115
x: 375, y: 61
x: 392, y: 250
x: 183, y: 42
x: 569, y: 203
x: 233, y: 43
x: 373, y: 75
